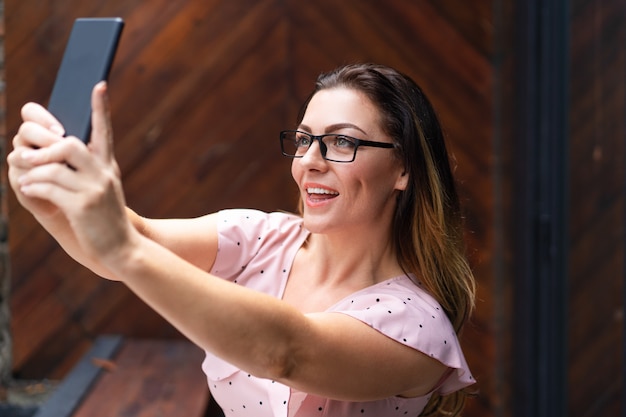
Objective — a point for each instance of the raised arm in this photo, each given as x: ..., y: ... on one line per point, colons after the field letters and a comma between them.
x: 321, y: 353
x: 165, y: 263
x: 194, y: 239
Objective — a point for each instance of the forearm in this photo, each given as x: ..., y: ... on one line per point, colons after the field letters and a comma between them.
x: 248, y: 329
x: 58, y: 226
x: 192, y: 239
x: 269, y: 338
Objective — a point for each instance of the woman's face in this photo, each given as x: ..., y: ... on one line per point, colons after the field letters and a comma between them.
x: 342, y: 196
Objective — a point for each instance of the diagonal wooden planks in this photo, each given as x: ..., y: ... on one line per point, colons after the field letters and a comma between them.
x: 199, y: 91
x: 596, y: 225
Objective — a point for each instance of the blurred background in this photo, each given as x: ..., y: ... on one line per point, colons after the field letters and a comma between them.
x: 531, y: 95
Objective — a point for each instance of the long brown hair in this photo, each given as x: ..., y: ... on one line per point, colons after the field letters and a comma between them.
x: 428, y: 224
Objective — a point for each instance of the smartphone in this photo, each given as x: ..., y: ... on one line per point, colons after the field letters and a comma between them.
x: 87, y: 60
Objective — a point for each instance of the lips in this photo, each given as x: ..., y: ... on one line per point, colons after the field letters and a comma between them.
x: 318, y: 190
x: 318, y: 194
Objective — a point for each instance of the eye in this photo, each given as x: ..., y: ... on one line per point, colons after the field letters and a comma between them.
x: 302, y: 140
x: 344, y: 142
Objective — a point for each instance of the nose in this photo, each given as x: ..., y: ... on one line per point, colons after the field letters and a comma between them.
x: 314, y: 156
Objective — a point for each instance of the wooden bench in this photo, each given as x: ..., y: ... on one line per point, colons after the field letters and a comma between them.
x: 134, y: 378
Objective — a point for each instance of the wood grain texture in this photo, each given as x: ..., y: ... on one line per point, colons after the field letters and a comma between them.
x: 199, y: 91
x: 597, y: 208
x: 149, y: 378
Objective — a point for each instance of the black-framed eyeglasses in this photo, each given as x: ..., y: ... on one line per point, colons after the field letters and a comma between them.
x: 333, y: 147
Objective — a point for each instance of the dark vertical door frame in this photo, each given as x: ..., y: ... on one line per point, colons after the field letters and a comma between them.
x: 541, y: 146
x: 624, y: 257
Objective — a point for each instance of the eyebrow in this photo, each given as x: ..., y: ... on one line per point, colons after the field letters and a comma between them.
x: 336, y: 126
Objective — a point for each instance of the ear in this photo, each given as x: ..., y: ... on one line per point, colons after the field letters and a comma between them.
x: 402, y: 182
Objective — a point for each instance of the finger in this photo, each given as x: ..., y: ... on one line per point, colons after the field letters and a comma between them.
x: 52, y: 173
x: 33, y: 112
x: 69, y: 151
x: 33, y: 135
x: 16, y: 161
x: 59, y: 175
x: 16, y: 168
x: 48, y: 191
x: 102, y: 131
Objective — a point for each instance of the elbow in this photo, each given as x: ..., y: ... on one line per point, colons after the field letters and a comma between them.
x: 278, y: 365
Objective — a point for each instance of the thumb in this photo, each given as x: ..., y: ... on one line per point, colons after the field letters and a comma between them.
x: 102, y: 131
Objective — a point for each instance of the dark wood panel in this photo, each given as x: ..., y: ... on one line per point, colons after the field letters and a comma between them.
x: 199, y: 90
x: 475, y: 22
x: 597, y: 207
x: 149, y: 378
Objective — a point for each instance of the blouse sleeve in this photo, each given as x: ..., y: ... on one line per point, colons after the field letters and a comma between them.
x: 236, y: 231
x: 253, y: 245
x: 415, y: 319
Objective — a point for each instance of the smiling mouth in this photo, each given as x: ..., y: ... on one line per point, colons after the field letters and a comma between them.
x: 320, y: 194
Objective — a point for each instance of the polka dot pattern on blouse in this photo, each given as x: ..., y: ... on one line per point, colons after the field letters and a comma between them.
x: 256, y: 250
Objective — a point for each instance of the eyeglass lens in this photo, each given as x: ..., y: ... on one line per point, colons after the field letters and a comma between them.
x: 333, y: 147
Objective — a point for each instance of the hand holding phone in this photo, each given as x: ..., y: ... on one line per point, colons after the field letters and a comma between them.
x: 87, y: 60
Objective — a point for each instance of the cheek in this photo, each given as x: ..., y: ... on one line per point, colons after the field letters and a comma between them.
x: 382, y: 183
x: 296, y: 171
x: 360, y: 183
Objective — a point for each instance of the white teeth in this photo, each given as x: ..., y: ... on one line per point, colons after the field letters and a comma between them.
x: 312, y: 190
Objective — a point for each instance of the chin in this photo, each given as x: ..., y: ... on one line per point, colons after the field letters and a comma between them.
x: 315, y: 224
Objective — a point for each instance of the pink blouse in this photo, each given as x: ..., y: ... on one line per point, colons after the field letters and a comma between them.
x: 256, y: 250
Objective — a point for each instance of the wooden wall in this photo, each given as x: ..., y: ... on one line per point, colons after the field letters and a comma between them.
x: 199, y: 90
x: 594, y: 213
x: 597, y: 208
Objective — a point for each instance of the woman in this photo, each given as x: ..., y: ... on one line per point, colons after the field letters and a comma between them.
x: 350, y: 309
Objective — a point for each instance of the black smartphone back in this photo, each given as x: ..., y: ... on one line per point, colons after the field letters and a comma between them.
x: 87, y: 60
